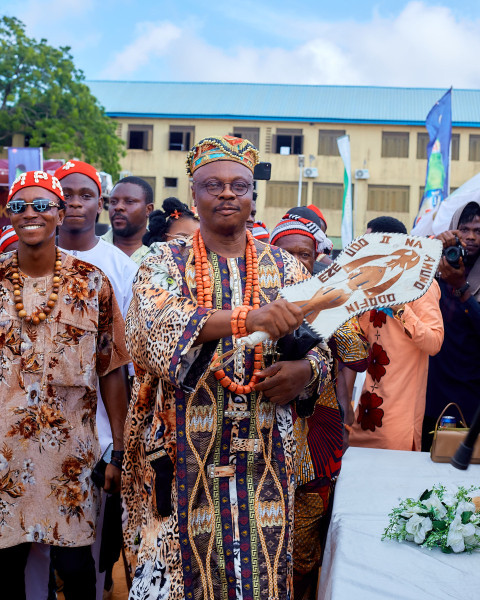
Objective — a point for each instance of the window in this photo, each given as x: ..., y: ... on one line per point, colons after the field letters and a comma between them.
x: 455, y: 146
x: 181, y: 137
x: 328, y: 196
x: 388, y: 198
x: 151, y: 181
x: 284, y: 194
x: 474, y: 148
x: 140, y: 137
x: 327, y: 141
x: 170, y: 182
x: 250, y: 133
x: 288, y: 141
x: 422, y: 143
x: 395, y: 144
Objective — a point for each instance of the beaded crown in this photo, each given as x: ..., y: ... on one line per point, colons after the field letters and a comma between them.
x: 226, y: 147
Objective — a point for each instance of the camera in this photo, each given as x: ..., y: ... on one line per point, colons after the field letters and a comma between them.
x: 453, y: 254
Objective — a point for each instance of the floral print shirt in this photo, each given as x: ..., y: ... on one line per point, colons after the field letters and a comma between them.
x: 48, y: 379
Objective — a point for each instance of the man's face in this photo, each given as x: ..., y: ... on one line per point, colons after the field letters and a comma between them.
x: 36, y: 228
x: 301, y: 247
x: 470, y: 235
x: 251, y: 218
x: 127, y: 210
x: 226, y: 211
x: 83, y: 203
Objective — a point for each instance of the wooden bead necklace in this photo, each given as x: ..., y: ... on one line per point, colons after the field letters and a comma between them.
x: 40, y: 314
x: 239, y: 315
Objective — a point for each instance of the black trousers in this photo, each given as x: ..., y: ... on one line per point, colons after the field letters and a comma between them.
x: 75, y: 566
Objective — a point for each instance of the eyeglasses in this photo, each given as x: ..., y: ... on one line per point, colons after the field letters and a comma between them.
x: 178, y: 236
x: 215, y: 188
x: 40, y: 205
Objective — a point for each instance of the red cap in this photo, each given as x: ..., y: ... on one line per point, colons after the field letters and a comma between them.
x: 77, y: 166
x: 260, y: 231
x: 36, y: 179
x: 7, y: 237
x: 318, y: 212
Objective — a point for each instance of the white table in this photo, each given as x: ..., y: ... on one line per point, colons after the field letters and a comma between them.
x: 358, y: 566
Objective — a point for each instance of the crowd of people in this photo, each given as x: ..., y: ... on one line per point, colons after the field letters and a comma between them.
x: 122, y: 366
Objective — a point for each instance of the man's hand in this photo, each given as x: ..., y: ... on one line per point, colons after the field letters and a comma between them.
x: 278, y: 318
x: 451, y: 275
x: 112, y: 479
x: 454, y: 277
x: 450, y: 238
x: 285, y: 380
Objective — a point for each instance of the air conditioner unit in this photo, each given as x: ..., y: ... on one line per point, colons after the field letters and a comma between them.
x: 310, y: 172
x: 285, y: 150
x: 362, y: 174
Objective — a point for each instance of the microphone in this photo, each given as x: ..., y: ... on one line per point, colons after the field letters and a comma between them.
x: 462, y: 457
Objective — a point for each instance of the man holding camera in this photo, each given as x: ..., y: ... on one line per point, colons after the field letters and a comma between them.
x: 454, y: 375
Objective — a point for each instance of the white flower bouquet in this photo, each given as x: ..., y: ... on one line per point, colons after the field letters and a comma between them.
x: 449, y: 520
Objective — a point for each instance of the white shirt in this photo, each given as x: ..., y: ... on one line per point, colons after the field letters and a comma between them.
x: 121, y: 271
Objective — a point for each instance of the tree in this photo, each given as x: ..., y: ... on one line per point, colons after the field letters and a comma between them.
x: 44, y: 97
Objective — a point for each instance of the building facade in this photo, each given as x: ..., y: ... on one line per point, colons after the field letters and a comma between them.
x: 159, y: 122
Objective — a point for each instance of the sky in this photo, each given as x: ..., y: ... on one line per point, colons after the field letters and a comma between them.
x: 418, y: 43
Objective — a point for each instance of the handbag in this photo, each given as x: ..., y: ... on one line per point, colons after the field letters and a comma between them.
x: 446, y: 441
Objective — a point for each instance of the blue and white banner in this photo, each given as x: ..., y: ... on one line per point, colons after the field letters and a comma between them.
x: 439, y: 127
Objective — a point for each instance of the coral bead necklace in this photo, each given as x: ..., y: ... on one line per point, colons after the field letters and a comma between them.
x: 40, y: 314
x: 252, y: 293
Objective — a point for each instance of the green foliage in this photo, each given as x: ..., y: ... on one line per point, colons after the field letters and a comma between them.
x: 44, y: 97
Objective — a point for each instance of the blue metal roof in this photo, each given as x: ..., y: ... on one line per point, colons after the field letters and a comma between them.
x: 279, y: 102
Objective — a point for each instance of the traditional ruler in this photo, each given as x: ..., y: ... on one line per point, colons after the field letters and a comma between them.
x: 376, y: 270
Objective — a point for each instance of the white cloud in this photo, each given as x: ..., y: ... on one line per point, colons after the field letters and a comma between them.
x: 153, y: 41
x: 423, y: 45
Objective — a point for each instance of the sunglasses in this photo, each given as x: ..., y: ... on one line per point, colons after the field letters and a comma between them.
x: 40, y: 205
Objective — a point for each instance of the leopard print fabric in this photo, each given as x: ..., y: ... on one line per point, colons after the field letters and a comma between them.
x: 229, y: 534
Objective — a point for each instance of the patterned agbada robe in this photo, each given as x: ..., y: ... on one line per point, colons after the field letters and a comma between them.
x: 48, y: 378
x: 229, y: 531
x: 319, y: 454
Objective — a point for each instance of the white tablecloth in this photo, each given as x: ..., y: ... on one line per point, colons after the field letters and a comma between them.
x: 358, y: 566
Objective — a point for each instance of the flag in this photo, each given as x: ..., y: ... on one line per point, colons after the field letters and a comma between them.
x: 439, y: 127
x: 21, y: 160
x: 343, y: 144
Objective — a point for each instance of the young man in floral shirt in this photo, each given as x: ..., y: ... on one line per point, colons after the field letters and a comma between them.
x: 61, y: 331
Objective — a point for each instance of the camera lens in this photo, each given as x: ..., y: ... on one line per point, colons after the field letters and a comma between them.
x: 452, y: 254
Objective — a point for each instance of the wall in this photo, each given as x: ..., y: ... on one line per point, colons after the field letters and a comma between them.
x: 366, y: 144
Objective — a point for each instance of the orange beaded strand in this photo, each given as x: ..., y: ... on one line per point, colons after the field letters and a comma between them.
x: 239, y: 314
